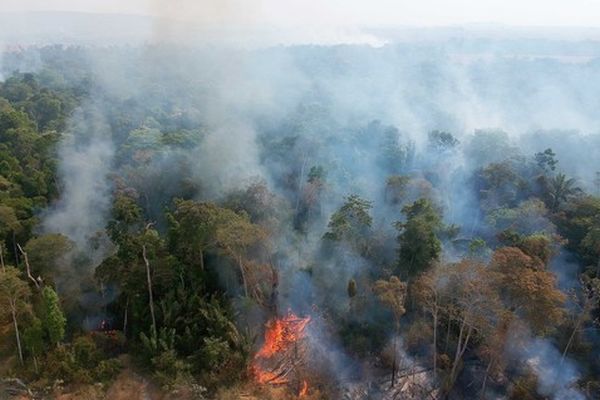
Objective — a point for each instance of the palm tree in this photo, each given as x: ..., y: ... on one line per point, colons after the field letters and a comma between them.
x: 561, y: 188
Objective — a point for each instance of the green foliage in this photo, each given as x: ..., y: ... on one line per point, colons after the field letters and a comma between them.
x: 441, y: 141
x: 262, y: 206
x: 559, y: 190
x: 395, y: 157
x: 500, y: 185
x: 193, y: 228
x: 546, y: 160
x: 351, y: 223
x: 201, y: 242
x: 396, y: 188
x: 578, y: 220
x: 47, y: 255
x: 419, y: 244
x: 53, y: 318
x: 79, y: 362
x: 14, y: 302
x: 8, y: 221
x: 316, y: 174
x: 489, y: 146
x: 478, y: 247
x: 528, y: 217
x: 33, y: 337
x: 167, y: 367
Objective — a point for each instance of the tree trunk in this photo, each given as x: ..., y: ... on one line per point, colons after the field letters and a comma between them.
x: 394, y: 356
x: 448, y: 335
x: 125, y: 317
x: 151, y: 300
x: 35, y: 364
x: 435, y: 323
x: 300, y: 184
x: 13, y: 311
x: 485, y: 377
x: 245, y: 283
x: 201, y: 260
x: 460, y: 349
x: 27, y: 267
x: 2, y: 257
x: 575, y: 329
x: 16, y: 253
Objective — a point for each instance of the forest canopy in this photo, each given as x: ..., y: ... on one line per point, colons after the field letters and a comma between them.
x: 325, y: 222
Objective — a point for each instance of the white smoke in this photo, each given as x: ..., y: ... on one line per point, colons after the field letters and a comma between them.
x: 86, y: 154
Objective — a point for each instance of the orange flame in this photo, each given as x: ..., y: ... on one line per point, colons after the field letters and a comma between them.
x: 304, y: 389
x: 281, y: 334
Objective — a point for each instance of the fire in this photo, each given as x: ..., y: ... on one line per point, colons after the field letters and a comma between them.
x: 304, y: 389
x: 281, y: 337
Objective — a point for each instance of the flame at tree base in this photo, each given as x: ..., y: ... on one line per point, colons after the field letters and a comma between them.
x: 279, y: 354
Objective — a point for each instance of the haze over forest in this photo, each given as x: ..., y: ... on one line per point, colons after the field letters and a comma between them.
x: 203, y: 200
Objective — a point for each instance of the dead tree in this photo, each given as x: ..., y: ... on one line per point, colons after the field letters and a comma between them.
x: 28, y: 267
x: 151, y: 300
x: 149, y: 281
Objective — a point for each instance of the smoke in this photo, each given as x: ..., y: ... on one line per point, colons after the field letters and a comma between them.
x: 556, y: 376
x: 2, y: 51
x: 274, y: 113
x: 86, y: 156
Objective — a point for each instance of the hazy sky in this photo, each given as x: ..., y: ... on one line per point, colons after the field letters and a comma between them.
x: 340, y: 12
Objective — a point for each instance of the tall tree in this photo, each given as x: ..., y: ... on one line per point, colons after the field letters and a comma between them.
x: 54, y: 319
x: 14, y: 300
x: 475, y: 305
x: 235, y: 235
x: 430, y: 294
x: 351, y: 223
x: 560, y: 189
x: 440, y: 141
x: 419, y: 244
x: 193, y: 230
x: 149, y: 233
x: 586, y: 302
x: 47, y: 255
x: 33, y: 339
x: 546, y: 160
x: 527, y: 289
x: 392, y: 293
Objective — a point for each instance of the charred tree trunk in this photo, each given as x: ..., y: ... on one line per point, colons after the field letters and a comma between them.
x: 150, y: 297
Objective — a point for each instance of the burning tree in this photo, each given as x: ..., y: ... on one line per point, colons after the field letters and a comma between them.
x: 283, y: 354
